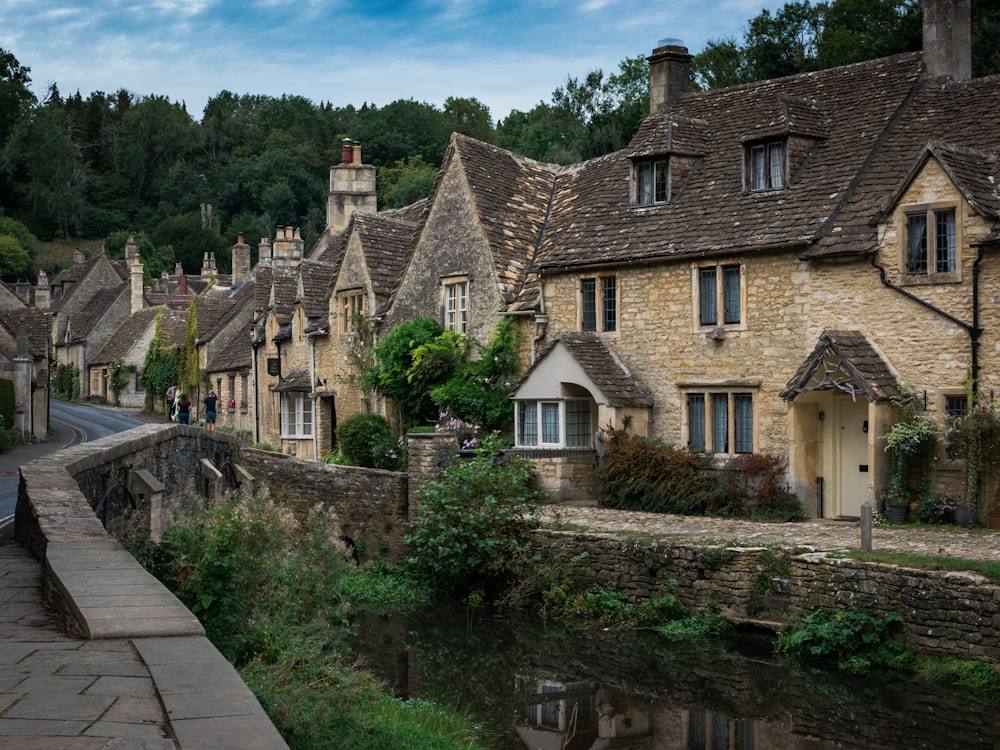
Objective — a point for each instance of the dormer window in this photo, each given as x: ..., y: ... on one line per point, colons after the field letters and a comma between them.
x: 651, y: 182
x: 930, y: 242
x: 766, y: 166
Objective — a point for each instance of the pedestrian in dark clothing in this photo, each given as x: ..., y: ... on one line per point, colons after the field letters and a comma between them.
x: 183, y: 409
x: 210, y: 403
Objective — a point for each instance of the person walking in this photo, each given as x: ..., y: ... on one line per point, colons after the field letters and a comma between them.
x: 183, y: 409
x: 210, y: 403
x: 172, y: 402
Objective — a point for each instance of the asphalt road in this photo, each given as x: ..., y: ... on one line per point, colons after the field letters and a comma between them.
x: 70, y: 424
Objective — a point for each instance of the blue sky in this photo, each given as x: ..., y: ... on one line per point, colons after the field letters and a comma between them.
x: 509, y: 55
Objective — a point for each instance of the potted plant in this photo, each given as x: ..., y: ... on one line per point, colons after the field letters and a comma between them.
x: 908, y: 442
x: 243, y: 407
x: 231, y: 405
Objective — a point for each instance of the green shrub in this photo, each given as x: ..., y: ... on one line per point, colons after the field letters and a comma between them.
x: 854, y: 640
x: 755, y: 489
x: 475, y: 522
x: 366, y: 440
x: 646, y: 475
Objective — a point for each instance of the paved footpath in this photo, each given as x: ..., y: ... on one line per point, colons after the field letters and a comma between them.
x: 144, y: 691
x: 821, y: 535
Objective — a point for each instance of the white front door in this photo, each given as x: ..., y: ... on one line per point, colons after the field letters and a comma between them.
x: 852, y: 439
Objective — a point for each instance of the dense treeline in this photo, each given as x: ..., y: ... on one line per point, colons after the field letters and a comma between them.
x: 109, y: 165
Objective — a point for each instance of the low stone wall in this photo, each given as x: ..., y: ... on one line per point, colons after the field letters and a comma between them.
x: 370, y: 504
x: 944, y: 613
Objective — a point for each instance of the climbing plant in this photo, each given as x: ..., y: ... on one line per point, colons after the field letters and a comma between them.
x: 118, y: 379
x: 162, y: 367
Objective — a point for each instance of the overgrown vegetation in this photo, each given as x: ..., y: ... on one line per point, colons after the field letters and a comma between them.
x: 851, y: 639
x: 648, y: 475
x: 472, y: 537
x: 986, y: 568
x: 273, y: 598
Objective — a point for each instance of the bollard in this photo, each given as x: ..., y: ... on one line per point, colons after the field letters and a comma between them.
x: 866, y: 526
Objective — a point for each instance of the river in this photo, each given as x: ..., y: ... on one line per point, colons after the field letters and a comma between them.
x: 547, y: 688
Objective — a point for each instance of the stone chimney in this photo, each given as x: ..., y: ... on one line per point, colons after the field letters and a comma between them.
x: 264, y: 251
x: 669, y: 75
x: 948, y: 39
x: 352, y: 188
x: 288, y: 248
x: 241, y: 261
x: 136, y: 290
x: 78, y: 256
x: 42, y: 291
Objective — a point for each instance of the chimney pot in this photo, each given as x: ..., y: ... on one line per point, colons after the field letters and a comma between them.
x: 346, y: 151
x: 356, y: 152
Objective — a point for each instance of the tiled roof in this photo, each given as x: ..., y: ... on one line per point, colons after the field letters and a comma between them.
x: 602, y: 366
x: 846, y: 111
x: 210, y: 308
x: 385, y: 239
x: 173, y: 332
x: 235, y: 355
x: 846, y: 361
x: 31, y: 329
x: 929, y: 118
x: 314, y: 282
x: 298, y: 380
x: 82, y: 321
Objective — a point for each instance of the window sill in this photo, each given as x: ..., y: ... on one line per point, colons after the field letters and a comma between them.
x: 924, y: 279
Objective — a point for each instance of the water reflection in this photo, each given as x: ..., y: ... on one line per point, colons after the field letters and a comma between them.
x: 549, y: 689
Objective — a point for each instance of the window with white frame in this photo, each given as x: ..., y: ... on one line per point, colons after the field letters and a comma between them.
x: 719, y: 295
x: 931, y: 242
x: 350, y: 304
x: 554, y: 424
x: 456, y: 306
x: 765, y: 166
x: 599, y: 303
x: 720, y: 421
x: 296, y: 415
x: 651, y: 182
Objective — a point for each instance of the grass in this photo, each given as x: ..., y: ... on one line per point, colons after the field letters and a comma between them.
x: 985, y: 568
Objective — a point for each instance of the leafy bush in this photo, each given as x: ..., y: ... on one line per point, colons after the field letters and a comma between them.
x: 366, y: 440
x: 854, y: 640
x: 475, y: 522
x: 936, y: 508
x: 756, y: 489
x: 646, y: 475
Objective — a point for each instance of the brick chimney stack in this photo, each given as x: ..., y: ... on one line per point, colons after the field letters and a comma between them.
x: 948, y: 39
x: 669, y: 75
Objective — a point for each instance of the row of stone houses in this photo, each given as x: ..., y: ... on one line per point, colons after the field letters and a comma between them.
x: 759, y: 271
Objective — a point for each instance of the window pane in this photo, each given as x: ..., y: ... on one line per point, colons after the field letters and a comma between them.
x: 956, y: 406
x: 644, y: 188
x: 609, y: 304
x: 944, y: 241
x: 720, y: 422
x: 550, y: 422
x: 743, y: 422
x: 916, y: 243
x: 285, y: 407
x: 707, y: 309
x: 776, y: 153
x: 757, y: 168
x: 696, y: 421
x: 731, y: 294
x: 307, y: 414
x: 527, y: 413
x: 578, y: 424
x: 588, y: 303
x: 660, y: 174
